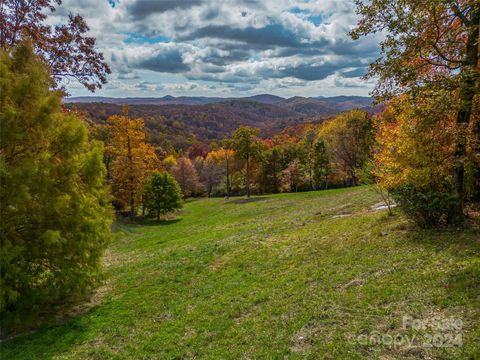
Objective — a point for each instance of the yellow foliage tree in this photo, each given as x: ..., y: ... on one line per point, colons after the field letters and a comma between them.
x: 415, y: 158
x: 415, y: 144
x: 169, y: 162
x: 224, y: 157
x: 133, y: 160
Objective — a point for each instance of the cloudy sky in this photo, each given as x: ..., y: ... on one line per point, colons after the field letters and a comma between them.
x: 226, y: 48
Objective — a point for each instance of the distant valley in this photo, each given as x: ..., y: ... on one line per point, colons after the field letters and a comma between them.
x: 179, y: 121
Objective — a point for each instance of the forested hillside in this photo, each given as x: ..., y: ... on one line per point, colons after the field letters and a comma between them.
x: 176, y: 123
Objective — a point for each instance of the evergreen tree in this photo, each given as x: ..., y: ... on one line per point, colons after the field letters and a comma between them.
x: 54, y: 205
x: 271, y: 169
x: 162, y: 194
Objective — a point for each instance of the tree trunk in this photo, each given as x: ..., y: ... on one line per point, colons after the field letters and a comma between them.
x: 310, y: 176
x: 247, y: 178
x: 275, y: 185
x: 467, y: 92
x: 353, y: 178
x: 228, y: 178
x: 476, y: 165
x: 132, y: 199
x: 132, y: 191
x: 158, y: 215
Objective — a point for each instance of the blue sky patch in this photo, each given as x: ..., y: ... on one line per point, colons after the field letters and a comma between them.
x: 136, y: 38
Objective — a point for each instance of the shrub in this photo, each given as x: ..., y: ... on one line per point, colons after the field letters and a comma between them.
x: 55, y: 212
x: 426, y: 207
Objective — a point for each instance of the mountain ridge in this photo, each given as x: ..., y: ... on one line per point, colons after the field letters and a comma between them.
x: 203, y: 100
x: 178, y: 122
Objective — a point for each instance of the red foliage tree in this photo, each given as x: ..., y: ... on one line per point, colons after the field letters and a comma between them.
x: 198, y: 150
x: 65, y: 48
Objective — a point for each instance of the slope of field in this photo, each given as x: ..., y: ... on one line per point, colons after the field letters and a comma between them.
x: 301, y: 275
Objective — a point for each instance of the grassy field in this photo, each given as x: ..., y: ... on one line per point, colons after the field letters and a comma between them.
x: 308, y: 275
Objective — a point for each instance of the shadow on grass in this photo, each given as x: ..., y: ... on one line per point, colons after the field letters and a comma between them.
x: 50, y: 338
x: 246, y: 200
x: 458, y: 241
x: 462, y: 281
x: 146, y: 221
x: 155, y: 222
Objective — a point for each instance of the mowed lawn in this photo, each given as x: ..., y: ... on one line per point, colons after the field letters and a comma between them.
x: 305, y: 275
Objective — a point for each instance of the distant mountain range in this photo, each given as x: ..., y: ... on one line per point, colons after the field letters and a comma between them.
x: 345, y: 102
x: 179, y: 121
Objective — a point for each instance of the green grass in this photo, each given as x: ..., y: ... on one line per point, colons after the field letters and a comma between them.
x: 273, y: 277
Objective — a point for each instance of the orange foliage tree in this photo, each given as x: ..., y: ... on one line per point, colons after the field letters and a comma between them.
x: 132, y: 159
x: 415, y: 158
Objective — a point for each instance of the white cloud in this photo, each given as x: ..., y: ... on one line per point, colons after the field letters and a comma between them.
x: 227, y: 46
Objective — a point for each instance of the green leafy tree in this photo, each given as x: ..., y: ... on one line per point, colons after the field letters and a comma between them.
x: 271, y: 169
x: 309, y: 155
x: 247, y: 147
x: 162, y: 194
x: 321, y: 164
x: 55, y: 212
x: 350, y: 137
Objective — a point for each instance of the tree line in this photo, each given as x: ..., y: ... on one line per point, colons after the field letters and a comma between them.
x: 308, y: 157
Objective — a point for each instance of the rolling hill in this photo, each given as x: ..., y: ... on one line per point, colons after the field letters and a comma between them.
x: 336, y: 102
x: 313, y: 273
x: 179, y: 121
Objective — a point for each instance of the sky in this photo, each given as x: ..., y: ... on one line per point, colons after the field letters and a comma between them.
x: 228, y: 48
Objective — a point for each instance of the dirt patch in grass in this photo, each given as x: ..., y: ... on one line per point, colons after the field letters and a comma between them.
x: 302, y: 340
